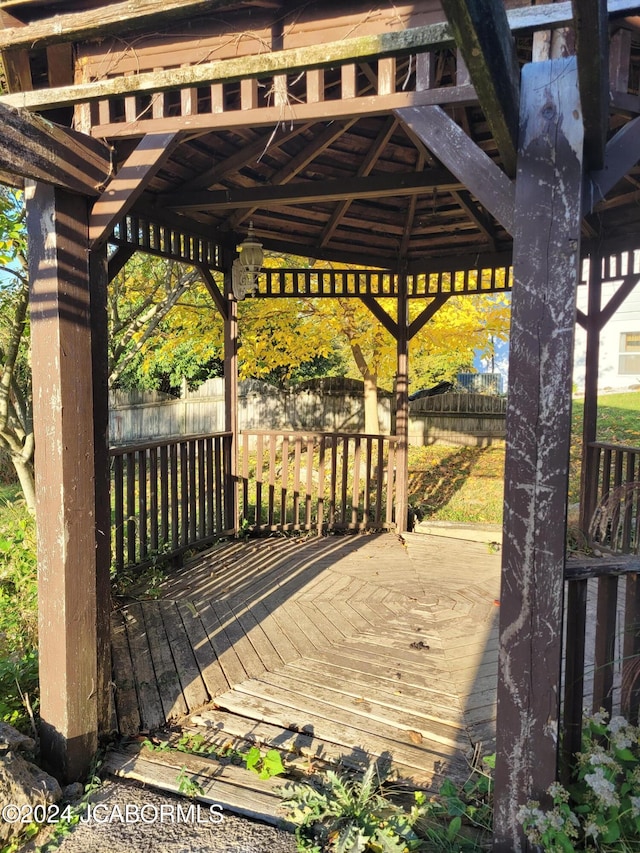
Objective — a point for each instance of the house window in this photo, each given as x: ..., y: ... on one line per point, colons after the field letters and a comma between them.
x: 629, y: 360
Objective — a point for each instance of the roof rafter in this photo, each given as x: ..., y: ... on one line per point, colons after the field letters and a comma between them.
x: 300, y: 161
x: 379, y: 186
x: 128, y: 185
x: 365, y: 169
x: 475, y: 169
x: 484, y: 38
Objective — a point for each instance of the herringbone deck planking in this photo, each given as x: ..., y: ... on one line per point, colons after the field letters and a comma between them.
x: 364, y: 644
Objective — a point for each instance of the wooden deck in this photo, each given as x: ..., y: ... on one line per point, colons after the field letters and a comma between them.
x: 342, y: 646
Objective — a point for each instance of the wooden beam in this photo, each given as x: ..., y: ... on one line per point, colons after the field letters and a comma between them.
x: 481, y: 220
x: 381, y: 315
x: 35, y: 148
x: 423, y: 318
x: 592, y: 45
x: 331, y: 110
x: 621, y: 155
x: 546, y: 255
x: 297, y: 164
x: 212, y: 286
x: 308, y: 192
x: 65, y: 478
x: 114, y: 18
x: 475, y: 170
x: 243, y: 156
x: 290, y: 60
x: 366, y: 167
x: 128, y: 185
x: 626, y: 288
x: 483, y: 37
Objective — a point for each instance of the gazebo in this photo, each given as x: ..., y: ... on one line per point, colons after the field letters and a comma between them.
x: 446, y: 149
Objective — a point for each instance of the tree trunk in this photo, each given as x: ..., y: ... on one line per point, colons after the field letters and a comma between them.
x: 371, y: 422
x: 24, y: 470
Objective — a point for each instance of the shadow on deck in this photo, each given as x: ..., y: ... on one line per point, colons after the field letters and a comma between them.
x: 340, y: 646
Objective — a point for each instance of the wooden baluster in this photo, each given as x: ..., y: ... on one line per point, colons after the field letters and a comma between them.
x: 296, y: 482
x: 202, y: 490
x: 164, y: 495
x: 131, y: 508
x: 366, y: 517
x: 631, y: 650
x: 212, y: 495
x: 218, y: 487
x: 175, y: 496
x: 321, y: 455
x: 605, y: 643
x: 259, y: 478
x: 309, y: 491
x: 391, y: 470
x: 245, y: 476
x: 345, y: 480
x: 153, y: 500
x: 284, y: 482
x: 355, y: 499
x: 192, y: 487
x: 118, y: 500
x: 142, y: 503
x: 380, y: 482
x: 574, y: 673
x: 272, y: 438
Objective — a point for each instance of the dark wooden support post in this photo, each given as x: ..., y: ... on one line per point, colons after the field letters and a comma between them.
x: 402, y: 407
x: 545, y: 261
x: 588, y: 476
x: 98, y: 277
x: 57, y: 224
x: 231, y: 398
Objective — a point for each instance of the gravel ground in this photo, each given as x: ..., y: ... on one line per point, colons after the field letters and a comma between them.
x: 167, y: 830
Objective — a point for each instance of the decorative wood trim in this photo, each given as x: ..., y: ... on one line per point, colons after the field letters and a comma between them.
x: 214, y: 290
x: 422, y: 319
x: 476, y: 171
x: 271, y: 116
x: 483, y: 36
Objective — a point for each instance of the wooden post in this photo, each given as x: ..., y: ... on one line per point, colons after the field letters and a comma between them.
x: 57, y: 225
x: 402, y: 407
x: 231, y: 398
x: 98, y: 278
x: 546, y: 251
x: 588, y: 477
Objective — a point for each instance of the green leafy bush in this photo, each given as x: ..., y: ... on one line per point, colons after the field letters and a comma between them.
x: 601, y: 810
x: 18, y: 615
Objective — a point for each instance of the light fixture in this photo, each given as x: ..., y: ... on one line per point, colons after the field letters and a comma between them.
x: 246, y: 267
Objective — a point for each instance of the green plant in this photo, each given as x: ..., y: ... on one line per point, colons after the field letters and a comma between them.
x: 18, y: 616
x: 187, y: 785
x: 601, y: 809
x: 265, y: 764
x: 344, y: 814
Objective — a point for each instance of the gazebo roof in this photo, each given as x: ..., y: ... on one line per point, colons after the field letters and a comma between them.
x: 317, y: 158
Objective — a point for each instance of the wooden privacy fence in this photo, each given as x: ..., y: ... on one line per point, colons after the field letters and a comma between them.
x: 316, y: 481
x: 169, y: 495
x: 602, y: 639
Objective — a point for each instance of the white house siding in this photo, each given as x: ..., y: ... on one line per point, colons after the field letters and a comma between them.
x: 626, y: 320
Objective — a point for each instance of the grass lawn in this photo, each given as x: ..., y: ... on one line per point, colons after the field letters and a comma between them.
x: 466, y: 483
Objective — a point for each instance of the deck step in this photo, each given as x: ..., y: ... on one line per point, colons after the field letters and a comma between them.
x: 235, y: 789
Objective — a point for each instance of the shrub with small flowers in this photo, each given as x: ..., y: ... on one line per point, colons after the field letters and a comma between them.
x: 601, y: 809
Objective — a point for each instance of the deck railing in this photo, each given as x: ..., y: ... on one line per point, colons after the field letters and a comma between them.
x: 168, y: 496
x: 316, y: 481
x: 612, y: 469
x: 602, y: 665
